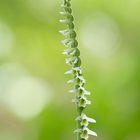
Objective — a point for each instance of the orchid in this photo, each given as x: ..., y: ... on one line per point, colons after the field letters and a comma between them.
x: 78, y: 80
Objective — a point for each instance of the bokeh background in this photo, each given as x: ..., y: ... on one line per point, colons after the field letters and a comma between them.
x: 34, y: 103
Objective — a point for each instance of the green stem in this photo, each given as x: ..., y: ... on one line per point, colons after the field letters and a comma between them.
x: 79, y: 110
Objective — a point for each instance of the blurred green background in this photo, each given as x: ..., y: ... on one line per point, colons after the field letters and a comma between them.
x: 34, y: 103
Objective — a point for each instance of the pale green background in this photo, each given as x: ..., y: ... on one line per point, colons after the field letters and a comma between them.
x: 34, y: 103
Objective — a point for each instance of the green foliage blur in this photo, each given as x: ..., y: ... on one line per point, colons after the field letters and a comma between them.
x: 34, y: 103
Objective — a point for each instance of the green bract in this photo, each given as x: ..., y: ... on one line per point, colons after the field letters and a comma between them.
x: 78, y: 80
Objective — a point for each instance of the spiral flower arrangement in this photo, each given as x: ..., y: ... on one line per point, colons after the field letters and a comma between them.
x: 78, y: 80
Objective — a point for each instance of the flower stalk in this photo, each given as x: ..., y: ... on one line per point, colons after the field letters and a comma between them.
x: 74, y: 61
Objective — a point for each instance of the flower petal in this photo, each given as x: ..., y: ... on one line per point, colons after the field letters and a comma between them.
x: 92, y: 133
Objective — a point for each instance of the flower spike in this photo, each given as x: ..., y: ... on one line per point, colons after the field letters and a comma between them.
x: 74, y: 61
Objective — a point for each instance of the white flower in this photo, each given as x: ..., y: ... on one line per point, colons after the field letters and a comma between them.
x: 69, y: 72
x: 82, y: 91
x: 85, y: 132
x: 83, y: 102
x: 84, y: 120
x: 71, y: 81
